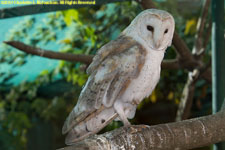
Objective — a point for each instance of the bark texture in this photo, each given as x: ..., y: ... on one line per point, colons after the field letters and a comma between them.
x: 181, y: 135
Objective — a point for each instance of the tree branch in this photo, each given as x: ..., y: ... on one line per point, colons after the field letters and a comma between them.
x: 183, y: 49
x: 185, y: 104
x: 207, y: 75
x: 186, y: 134
x: 202, y: 19
x: 208, y: 34
x: 200, y: 28
x: 171, y: 64
x: 146, y: 4
x: 50, y: 54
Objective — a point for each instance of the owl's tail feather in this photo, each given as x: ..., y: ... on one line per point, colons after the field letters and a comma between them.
x: 72, y: 120
x: 91, y: 126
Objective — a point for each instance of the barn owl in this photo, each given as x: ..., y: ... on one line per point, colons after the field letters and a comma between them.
x: 122, y: 74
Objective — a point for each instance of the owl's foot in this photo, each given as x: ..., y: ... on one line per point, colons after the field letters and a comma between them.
x: 124, y: 119
x: 119, y: 107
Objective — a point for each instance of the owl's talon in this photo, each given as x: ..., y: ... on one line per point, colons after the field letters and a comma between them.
x: 126, y: 122
x: 121, y: 112
x: 124, y: 119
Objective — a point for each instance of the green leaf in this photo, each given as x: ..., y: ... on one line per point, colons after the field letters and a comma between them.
x: 39, y: 105
x: 70, y: 16
x: 44, y: 72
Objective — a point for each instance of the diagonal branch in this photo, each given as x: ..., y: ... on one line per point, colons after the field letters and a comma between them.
x: 185, y: 104
x: 200, y: 28
x: 182, y: 48
x: 50, y: 54
x: 207, y: 37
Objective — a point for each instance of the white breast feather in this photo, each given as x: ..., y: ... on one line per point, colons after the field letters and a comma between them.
x: 143, y: 85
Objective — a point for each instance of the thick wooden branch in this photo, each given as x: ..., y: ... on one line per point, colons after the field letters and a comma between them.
x: 181, y: 135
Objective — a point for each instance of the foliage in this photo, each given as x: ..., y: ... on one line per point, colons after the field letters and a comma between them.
x: 80, y: 31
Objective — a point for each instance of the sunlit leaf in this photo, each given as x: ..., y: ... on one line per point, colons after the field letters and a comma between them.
x: 153, y: 97
x: 177, y: 101
x: 170, y: 95
x: 70, y: 15
x: 66, y: 41
x: 190, y: 26
x: 44, y: 72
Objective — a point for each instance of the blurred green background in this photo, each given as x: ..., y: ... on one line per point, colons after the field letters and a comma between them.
x: 37, y: 94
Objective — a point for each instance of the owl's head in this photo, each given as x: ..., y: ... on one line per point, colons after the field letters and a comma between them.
x: 153, y: 28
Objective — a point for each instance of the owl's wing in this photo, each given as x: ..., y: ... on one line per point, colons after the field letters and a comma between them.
x: 110, y: 75
x: 113, y: 47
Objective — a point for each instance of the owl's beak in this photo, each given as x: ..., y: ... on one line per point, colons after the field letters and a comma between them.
x: 157, y: 44
x: 157, y: 38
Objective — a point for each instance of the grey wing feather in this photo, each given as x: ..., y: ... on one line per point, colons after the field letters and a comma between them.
x: 111, y: 48
x: 91, y: 126
x: 79, y: 113
x: 88, y: 103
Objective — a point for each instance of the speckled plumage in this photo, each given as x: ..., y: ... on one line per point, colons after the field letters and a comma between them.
x: 122, y: 73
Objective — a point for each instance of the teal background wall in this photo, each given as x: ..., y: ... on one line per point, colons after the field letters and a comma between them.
x: 34, y: 64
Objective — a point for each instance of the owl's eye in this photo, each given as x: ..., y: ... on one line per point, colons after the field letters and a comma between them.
x: 150, y: 28
x: 165, y: 31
